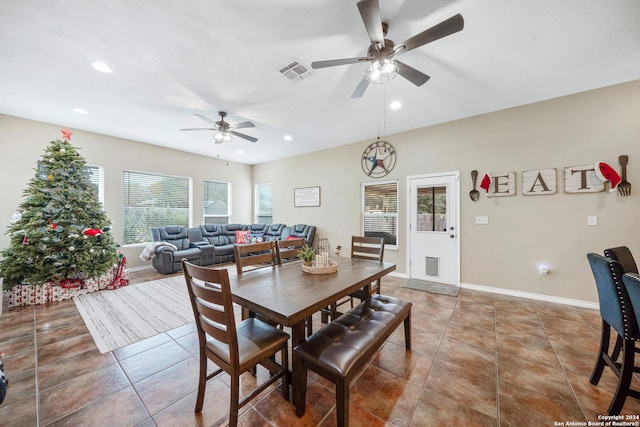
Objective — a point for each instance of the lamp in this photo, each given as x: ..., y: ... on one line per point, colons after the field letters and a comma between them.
x: 382, y: 71
x: 222, y: 136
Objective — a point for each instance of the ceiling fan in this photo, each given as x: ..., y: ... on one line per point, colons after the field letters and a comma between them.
x: 381, y: 54
x: 223, y: 130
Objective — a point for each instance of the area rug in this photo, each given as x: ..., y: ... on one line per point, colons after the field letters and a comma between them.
x: 132, y: 313
x: 432, y: 287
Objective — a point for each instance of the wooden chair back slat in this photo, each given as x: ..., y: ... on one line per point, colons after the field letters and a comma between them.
x: 288, y: 249
x: 371, y: 248
x: 254, y: 254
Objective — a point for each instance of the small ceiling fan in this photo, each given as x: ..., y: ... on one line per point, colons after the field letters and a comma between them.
x: 223, y: 130
x: 381, y: 54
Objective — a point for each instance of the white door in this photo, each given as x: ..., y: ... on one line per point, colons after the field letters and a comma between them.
x: 434, y: 248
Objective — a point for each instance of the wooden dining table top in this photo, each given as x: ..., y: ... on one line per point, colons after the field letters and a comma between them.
x: 287, y: 295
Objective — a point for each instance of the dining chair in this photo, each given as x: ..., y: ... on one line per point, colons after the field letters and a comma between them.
x: 617, y: 313
x: 623, y: 255
x: 234, y: 348
x: 254, y: 255
x: 287, y: 250
x: 362, y: 247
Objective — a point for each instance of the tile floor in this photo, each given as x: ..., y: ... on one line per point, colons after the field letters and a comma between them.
x: 477, y: 360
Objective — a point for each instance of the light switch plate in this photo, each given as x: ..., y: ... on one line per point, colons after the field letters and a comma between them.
x: 482, y: 220
x: 592, y: 220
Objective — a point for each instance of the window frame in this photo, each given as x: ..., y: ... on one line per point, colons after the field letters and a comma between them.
x: 394, y: 215
x: 204, y: 194
x: 189, y: 181
x: 100, y: 171
x: 256, y: 213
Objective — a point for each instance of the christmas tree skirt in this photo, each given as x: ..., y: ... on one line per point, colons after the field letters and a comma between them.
x: 21, y: 295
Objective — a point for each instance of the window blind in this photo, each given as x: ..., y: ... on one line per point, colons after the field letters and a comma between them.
x: 380, y: 211
x: 152, y: 200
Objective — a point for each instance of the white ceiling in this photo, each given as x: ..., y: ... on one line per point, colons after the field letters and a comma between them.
x: 174, y: 58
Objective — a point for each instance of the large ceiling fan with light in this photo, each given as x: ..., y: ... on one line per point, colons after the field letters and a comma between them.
x: 224, y: 130
x: 381, y: 54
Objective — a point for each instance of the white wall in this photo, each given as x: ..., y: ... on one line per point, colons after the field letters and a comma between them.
x: 523, y: 231
x: 22, y: 143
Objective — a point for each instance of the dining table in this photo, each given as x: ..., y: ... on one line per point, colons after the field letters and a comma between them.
x: 286, y: 295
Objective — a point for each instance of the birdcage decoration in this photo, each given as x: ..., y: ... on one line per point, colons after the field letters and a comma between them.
x: 323, y: 257
x: 322, y: 263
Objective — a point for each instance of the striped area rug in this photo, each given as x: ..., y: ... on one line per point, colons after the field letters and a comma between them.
x: 132, y: 313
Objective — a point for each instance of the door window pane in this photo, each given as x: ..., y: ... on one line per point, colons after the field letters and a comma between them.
x: 432, y: 208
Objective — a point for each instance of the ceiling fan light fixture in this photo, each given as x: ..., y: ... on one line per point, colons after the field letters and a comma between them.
x: 222, y: 136
x: 382, y: 71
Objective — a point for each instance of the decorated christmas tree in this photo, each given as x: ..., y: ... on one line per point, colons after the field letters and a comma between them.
x: 60, y: 232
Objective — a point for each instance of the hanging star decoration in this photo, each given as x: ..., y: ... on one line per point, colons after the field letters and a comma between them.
x: 66, y: 134
x: 375, y: 161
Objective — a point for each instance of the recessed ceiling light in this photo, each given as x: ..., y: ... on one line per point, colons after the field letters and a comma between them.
x: 101, y: 66
x: 80, y: 111
x: 288, y: 138
x: 395, y: 105
x: 240, y: 152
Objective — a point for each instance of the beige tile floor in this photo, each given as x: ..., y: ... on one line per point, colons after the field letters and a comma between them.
x: 477, y: 360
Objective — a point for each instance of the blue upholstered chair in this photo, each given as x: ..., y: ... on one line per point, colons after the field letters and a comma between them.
x: 618, y: 314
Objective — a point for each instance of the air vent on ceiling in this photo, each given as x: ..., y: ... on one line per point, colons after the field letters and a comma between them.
x: 295, y: 71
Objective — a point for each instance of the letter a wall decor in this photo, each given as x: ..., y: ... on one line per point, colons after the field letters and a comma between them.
x: 539, y: 182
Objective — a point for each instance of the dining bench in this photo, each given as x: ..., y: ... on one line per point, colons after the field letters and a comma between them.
x: 339, y: 350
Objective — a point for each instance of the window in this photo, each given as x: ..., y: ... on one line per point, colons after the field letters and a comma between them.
x: 217, y: 208
x: 432, y: 209
x: 152, y: 200
x: 96, y: 177
x: 264, y: 204
x: 380, y: 211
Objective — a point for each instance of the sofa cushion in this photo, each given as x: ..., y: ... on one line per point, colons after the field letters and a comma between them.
x: 242, y: 236
x: 176, y: 235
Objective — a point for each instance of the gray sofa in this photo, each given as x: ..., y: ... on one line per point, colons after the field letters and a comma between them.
x: 211, y: 244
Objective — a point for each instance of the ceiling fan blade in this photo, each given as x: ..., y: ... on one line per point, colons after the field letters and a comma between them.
x: 370, y: 12
x: 199, y: 129
x: 242, y: 135
x: 362, y: 86
x: 416, y: 77
x: 438, y: 31
x: 243, y: 125
x: 206, y: 119
x: 333, y: 62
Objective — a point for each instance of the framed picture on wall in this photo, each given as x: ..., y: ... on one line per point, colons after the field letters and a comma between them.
x: 306, y: 197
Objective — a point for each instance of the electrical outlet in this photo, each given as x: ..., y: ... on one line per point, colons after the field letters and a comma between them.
x: 592, y: 220
x: 482, y: 220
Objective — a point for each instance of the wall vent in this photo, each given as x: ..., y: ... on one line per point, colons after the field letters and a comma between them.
x: 295, y: 71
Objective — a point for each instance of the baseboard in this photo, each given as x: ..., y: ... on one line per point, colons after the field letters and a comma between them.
x: 140, y: 268
x: 530, y: 295
x: 519, y: 294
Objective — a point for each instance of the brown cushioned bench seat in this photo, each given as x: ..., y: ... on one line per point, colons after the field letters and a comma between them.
x: 339, y: 350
